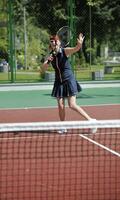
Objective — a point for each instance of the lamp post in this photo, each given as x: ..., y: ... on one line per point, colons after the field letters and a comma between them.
x: 25, y: 40
x: 90, y: 17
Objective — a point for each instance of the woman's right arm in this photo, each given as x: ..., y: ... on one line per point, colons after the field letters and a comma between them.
x: 46, y: 63
x: 44, y: 67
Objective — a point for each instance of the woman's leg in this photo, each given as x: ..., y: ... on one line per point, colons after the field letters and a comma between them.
x: 72, y: 104
x: 61, y: 108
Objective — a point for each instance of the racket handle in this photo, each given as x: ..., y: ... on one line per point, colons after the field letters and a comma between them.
x: 48, y: 61
x: 52, y: 54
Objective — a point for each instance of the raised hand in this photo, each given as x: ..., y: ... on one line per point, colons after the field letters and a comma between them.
x: 80, y: 38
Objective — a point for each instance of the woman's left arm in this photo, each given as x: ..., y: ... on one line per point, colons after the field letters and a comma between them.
x: 71, y: 50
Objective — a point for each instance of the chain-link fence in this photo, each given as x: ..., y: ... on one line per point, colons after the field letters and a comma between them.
x: 25, y: 27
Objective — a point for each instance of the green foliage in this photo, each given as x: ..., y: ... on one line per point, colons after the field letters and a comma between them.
x: 45, y: 17
x: 3, y: 30
x: 94, y: 2
x: 37, y: 40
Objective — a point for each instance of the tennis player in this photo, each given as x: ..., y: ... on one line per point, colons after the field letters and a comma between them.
x: 65, y: 85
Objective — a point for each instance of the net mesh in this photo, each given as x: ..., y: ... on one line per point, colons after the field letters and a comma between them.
x: 38, y: 162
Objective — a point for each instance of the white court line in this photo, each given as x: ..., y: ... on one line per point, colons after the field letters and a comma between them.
x: 100, y: 145
x: 49, y: 86
x: 65, y: 135
x: 49, y: 107
x: 41, y: 135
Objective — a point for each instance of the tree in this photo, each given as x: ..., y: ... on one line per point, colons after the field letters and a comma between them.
x: 3, y: 30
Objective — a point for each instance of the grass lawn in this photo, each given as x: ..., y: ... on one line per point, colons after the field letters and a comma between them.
x: 81, y: 74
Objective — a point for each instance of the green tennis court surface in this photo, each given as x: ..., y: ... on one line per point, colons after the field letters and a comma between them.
x: 42, y: 98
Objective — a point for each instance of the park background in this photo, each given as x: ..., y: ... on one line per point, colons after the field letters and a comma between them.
x: 25, y: 27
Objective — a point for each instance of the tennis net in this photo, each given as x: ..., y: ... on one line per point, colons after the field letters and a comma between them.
x: 39, y: 163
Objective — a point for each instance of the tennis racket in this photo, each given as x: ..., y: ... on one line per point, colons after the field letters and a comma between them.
x: 65, y: 35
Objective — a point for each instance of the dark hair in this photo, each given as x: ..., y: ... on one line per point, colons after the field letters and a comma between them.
x: 54, y: 37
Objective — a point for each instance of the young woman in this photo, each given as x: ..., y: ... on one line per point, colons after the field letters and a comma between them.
x: 65, y: 85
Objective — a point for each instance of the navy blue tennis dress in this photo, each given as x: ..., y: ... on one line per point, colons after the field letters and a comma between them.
x: 65, y: 84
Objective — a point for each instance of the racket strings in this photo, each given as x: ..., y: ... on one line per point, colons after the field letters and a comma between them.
x: 64, y: 35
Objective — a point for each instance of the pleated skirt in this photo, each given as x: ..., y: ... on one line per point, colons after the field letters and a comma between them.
x: 66, y: 89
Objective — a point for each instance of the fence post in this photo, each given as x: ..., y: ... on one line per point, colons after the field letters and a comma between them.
x: 71, y: 23
x: 11, y: 40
